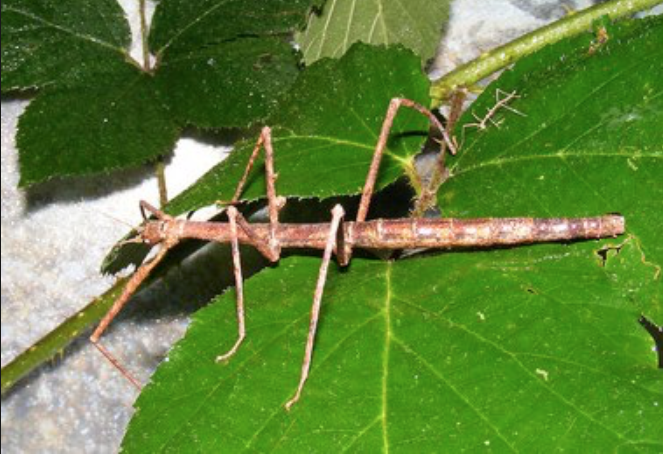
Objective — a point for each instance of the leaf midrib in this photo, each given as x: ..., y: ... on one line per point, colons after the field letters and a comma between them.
x: 82, y: 37
x: 512, y: 160
x: 385, y: 356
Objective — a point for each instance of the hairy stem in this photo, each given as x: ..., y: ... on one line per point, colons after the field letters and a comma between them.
x: 472, y: 72
x: 160, y: 170
x: 55, y: 342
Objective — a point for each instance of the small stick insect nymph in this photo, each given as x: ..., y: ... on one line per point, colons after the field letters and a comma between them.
x: 339, y: 236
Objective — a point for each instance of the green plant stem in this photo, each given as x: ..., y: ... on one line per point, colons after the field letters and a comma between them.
x: 500, y: 57
x: 55, y: 342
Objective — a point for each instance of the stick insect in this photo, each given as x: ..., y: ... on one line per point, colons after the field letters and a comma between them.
x: 338, y: 237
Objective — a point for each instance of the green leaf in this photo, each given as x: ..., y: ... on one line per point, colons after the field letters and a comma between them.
x: 520, y: 349
x: 485, y: 352
x: 219, y: 64
x: 179, y: 26
x: 229, y: 84
x: 230, y: 55
x: 587, y: 139
x: 326, y: 129
x: 415, y: 24
x: 50, y: 41
x: 116, y: 122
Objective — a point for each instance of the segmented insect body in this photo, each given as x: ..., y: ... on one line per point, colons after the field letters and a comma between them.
x: 340, y: 237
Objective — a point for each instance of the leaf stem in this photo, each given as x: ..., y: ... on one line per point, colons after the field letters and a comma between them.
x: 472, y: 72
x: 160, y: 170
x: 143, y: 35
x: 54, y: 342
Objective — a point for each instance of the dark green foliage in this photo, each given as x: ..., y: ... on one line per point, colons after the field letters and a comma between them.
x: 326, y: 129
x: 531, y: 349
x: 416, y: 24
x: 219, y: 64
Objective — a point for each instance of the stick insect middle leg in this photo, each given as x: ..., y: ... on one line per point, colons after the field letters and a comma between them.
x: 274, y: 202
x: 337, y: 215
x: 336, y: 237
x: 239, y: 285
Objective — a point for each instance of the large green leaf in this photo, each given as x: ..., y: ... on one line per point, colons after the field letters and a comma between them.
x: 588, y: 138
x: 230, y: 56
x: 533, y: 348
x: 415, y: 24
x: 456, y: 352
x: 326, y: 129
x: 118, y: 121
x: 49, y: 41
x: 100, y: 110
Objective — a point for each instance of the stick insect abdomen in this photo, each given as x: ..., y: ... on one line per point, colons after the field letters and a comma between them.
x: 423, y: 233
x: 481, y: 232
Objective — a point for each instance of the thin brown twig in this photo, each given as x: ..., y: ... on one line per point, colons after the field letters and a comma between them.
x: 500, y: 103
x: 428, y: 194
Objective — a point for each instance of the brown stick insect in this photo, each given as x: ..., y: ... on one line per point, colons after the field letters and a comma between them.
x: 339, y: 237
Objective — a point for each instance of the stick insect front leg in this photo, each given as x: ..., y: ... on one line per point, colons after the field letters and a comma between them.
x: 136, y: 280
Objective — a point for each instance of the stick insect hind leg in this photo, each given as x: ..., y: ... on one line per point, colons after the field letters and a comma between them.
x: 381, y: 145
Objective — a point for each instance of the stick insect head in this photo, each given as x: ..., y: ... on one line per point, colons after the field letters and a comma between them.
x: 154, y: 231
